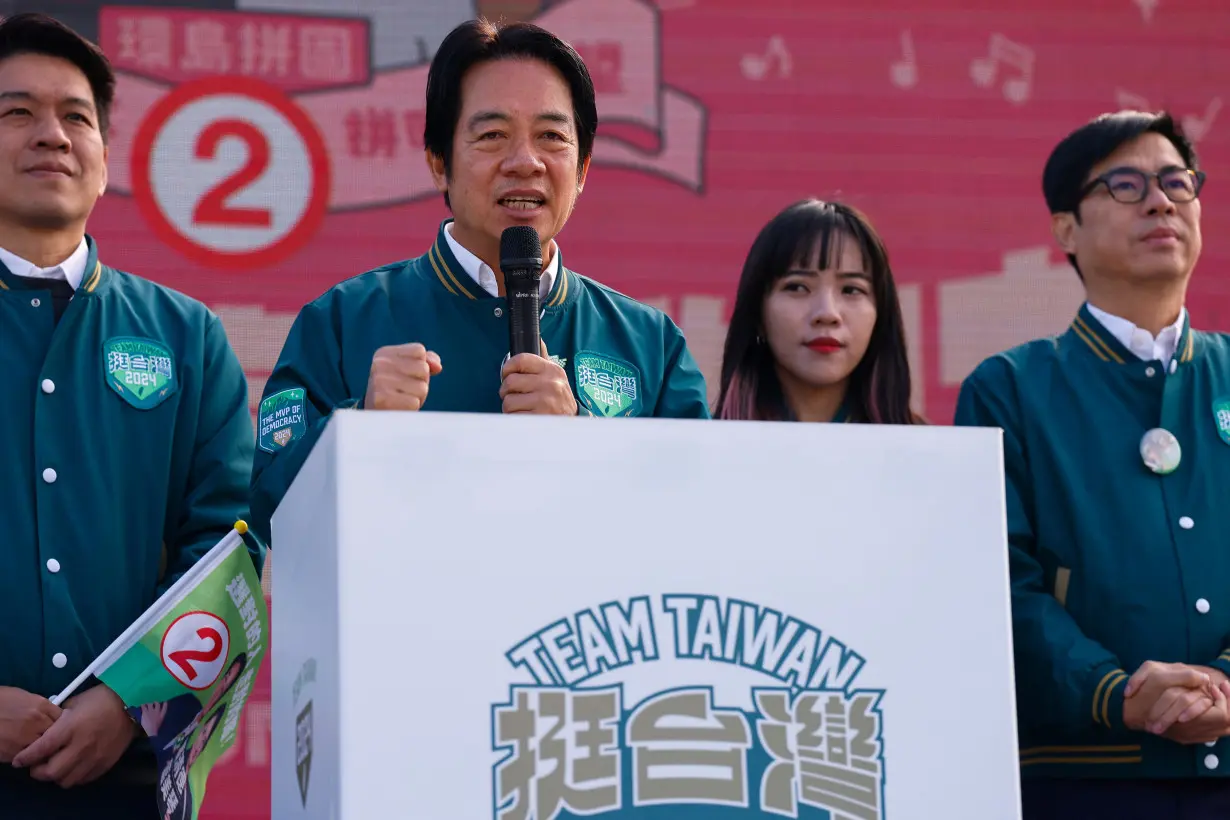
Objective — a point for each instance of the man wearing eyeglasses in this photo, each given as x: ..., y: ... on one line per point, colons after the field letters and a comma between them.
x: 1116, y: 440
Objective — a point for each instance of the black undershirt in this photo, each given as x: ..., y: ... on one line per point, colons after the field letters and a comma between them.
x: 61, y: 291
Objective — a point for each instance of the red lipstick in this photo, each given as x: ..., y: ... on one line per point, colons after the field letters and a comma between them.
x: 825, y: 344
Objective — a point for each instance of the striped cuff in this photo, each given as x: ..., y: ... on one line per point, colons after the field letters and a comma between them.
x: 1106, y: 707
x: 1223, y: 662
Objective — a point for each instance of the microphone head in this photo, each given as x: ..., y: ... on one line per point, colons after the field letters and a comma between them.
x: 520, y: 249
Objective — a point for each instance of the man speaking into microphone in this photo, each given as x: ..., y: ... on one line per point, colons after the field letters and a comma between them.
x: 510, y: 126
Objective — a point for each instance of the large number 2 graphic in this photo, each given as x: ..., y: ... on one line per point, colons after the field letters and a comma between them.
x: 213, y: 208
x: 184, y: 657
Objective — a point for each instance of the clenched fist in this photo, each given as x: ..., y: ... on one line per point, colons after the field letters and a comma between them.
x: 399, y: 377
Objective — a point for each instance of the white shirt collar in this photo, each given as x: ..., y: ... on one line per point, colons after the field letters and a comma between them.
x: 481, y: 272
x: 71, y: 269
x: 1140, y: 341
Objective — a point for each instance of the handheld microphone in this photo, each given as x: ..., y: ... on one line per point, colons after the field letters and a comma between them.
x: 521, y: 264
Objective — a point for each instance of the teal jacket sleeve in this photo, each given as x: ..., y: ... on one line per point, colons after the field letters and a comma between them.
x: 302, y: 392
x: 216, y: 492
x: 1064, y: 680
x: 1222, y: 662
x: 683, y: 393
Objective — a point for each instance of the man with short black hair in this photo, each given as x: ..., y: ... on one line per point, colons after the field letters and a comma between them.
x: 511, y: 121
x: 125, y: 447
x: 1116, y: 438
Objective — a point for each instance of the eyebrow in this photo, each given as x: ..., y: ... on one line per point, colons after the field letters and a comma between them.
x: 844, y: 274
x: 26, y: 96
x: 484, y: 117
x: 1133, y: 168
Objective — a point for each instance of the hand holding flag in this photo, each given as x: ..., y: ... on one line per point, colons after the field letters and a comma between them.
x: 183, y: 671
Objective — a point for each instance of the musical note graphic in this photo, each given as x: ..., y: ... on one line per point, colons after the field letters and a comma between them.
x: 1196, y: 128
x: 1129, y: 100
x: 904, y: 72
x: 984, y: 70
x: 756, y: 66
x: 1146, y: 9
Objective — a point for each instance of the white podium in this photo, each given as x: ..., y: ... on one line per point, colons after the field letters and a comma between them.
x: 525, y: 618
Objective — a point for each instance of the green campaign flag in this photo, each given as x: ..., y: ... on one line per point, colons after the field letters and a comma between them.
x: 185, y: 668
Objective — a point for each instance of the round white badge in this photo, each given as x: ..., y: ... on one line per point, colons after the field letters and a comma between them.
x: 1160, y: 451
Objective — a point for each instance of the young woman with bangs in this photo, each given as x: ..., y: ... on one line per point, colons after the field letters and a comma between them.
x: 816, y: 333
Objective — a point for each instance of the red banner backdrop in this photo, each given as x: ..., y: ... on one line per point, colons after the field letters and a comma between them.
x: 266, y: 151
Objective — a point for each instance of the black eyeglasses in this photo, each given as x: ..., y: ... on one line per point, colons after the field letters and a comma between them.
x: 1130, y: 185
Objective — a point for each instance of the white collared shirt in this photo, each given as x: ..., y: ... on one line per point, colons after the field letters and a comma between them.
x: 481, y: 272
x: 71, y: 269
x: 1140, y: 341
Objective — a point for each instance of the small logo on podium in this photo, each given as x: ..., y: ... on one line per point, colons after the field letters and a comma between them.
x: 303, y: 750
x: 303, y: 727
x: 665, y: 703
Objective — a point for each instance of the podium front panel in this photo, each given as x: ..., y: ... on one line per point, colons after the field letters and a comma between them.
x: 542, y: 618
x: 305, y: 733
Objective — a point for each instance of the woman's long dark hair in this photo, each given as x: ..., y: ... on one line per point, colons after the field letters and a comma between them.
x: 879, y: 388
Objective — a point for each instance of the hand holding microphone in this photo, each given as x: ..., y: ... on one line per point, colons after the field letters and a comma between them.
x: 529, y: 381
